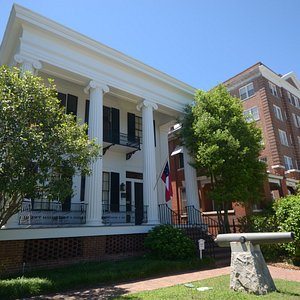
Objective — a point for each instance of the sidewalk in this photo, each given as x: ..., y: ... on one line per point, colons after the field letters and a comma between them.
x: 105, y: 292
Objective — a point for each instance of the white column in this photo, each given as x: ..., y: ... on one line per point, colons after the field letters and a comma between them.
x: 28, y: 64
x: 149, y: 175
x: 191, y: 187
x: 93, y: 187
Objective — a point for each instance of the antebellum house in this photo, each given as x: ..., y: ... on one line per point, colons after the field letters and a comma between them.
x: 273, y: 102
x: 129, y: 108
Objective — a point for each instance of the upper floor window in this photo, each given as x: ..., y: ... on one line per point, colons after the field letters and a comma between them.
x: 283, y: 137
x: 251, y: 114
x: 273, y: 89
x: 278, y: 113
x: 134, y: 127
x: 296, y: 120
x: 69, y: 102
x: 288, y: 163
x: 246, y: 91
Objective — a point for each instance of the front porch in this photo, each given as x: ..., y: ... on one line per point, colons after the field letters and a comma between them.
x: 54, y: 213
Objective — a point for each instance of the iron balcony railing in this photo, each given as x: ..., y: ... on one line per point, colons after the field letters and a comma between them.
x: 51, y: 213
x: 123, y: 139
x: 124, y: 214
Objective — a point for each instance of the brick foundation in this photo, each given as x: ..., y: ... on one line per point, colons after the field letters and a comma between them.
x: 26, y: 255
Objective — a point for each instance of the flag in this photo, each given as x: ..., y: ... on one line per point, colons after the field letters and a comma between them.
x: 166, y: 178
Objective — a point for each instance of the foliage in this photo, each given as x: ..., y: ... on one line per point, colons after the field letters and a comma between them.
x: 288, y: 290
x: 265, y: 222
x: 167, y: 242
x: 287, y: 212
x: 87, y: 274
x: 41, y: 147
x: 225, y: 147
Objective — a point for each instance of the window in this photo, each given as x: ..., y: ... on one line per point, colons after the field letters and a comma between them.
x: 105, y: 191
x: 288, y: 163
x: 277, y: 111
x: 273, y: 89
x: 69, y: 102
x: 283, y: 137
x: 134, y: 128
x: 181, y: 162
x: 296, y: 120
x: 251, y: 114
x: 246, y: 91
x: 111, y: 125
x: 298, y: 139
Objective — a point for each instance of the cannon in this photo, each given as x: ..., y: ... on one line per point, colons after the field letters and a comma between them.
x: 261, y: 238
x: 249, y: 271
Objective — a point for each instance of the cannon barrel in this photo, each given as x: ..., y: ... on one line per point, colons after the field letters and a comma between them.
x: 223, y: 240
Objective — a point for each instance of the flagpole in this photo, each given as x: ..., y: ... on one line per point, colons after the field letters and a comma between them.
x: 163, y: 167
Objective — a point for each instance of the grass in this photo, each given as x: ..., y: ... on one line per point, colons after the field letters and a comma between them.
x: 91, y: 274
x: 287, y: 290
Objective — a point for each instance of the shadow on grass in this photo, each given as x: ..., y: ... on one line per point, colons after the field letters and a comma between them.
x: 287, y: 293
x: 101, y: 293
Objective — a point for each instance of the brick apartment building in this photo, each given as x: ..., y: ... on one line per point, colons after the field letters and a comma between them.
x: 273, y: 101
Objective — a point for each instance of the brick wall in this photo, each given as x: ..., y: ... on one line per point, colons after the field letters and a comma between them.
x: 26, y: 255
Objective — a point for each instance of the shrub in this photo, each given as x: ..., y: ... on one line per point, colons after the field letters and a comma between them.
x: 287, y: 212
x: 167, y: 242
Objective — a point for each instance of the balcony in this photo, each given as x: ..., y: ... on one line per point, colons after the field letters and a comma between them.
x: 51, y: 213
x: 121, y: 142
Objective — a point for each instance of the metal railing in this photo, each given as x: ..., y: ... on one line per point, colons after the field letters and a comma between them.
x: 124, y: 214
x: 123, y: 139
x: 51, y: 213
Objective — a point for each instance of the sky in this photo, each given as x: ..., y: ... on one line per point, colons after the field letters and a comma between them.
x: 200, y: 42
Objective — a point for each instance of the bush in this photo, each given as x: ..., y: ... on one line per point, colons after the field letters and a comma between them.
x: 265, y: 222
x: 287, y: 211
x: 167, y: 242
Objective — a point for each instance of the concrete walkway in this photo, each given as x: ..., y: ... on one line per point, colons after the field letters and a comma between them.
x: 105, y: 292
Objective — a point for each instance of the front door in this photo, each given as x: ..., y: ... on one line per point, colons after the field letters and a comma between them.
x: 139, y: 203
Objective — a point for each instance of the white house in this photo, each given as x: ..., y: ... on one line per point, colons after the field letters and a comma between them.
x: 129, y: 107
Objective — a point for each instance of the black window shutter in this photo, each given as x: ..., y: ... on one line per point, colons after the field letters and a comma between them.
x: 87, y: 111
x: 72, y: 104
x: 63, y: 99
x: 82, y: 188
x: 115, y: 124
x: 114, y: 191
x: 106, y: 124
x: 131, y: 127
x: 154, y: 133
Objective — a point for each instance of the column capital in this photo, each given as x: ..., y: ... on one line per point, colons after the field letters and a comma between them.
x: 147, y: 103
x: 96, y: 85
x: 30, y: 62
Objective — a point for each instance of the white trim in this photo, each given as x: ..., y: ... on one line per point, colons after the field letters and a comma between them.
x: 214, y: 212
x: 278, y: 167
x: 273, y: 176
x: 292, y: 171
x: 39, y: 233
x: 178, y: 149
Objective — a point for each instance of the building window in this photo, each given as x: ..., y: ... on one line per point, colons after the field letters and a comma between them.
x: 294, y: 100
x: 273, y: 89
x: 180, y: 159
x: 296, y: 120
x: 278, y: 113
x: 283, y: 137
x: 183, y: 199
x: 288, y: 163
x: 105, y: 191
x: 134, y: 127
x: 69, y: 102
x: 246, y: 91
x: 251, y: 114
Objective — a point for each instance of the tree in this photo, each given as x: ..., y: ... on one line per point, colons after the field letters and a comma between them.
x: 225, y: 148
x: 41, y: 147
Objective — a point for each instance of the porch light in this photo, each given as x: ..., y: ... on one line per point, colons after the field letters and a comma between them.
x: 122, y: 187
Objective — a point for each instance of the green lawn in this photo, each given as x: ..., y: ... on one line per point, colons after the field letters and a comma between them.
x: 287, y: 290
x: 92, y: 274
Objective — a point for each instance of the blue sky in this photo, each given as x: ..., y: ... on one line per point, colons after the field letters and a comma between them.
x: 201, y: 42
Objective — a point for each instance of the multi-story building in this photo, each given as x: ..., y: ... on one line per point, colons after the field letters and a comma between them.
x: 273, y: 102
